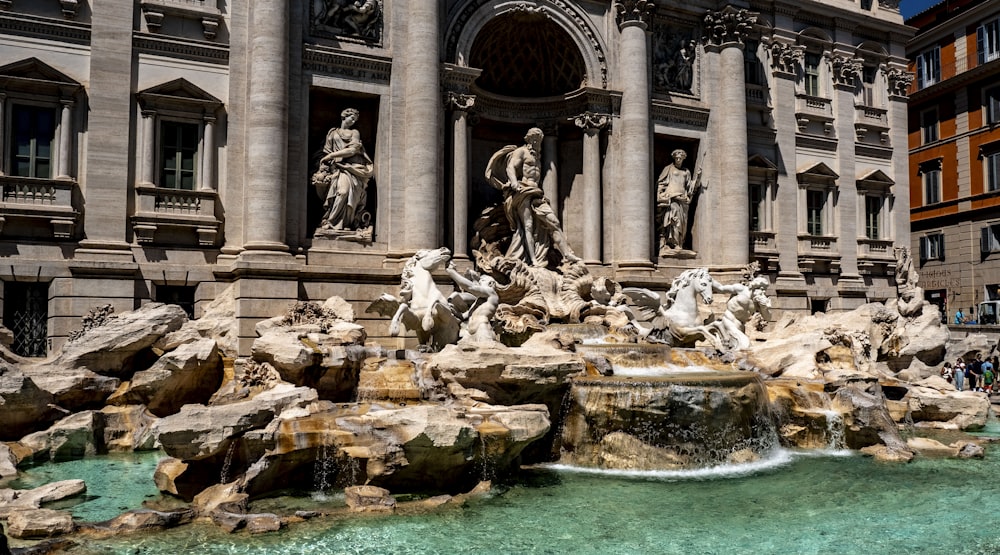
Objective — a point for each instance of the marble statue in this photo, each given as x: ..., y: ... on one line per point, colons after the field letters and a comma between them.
x: 342, y: 179
x: 516, y: 171
x: 421, y: 307
x: 674, y: 319
x: 910, y: 297
x: 675, y: 189
x: 478, y: 325
x: 746, y: 301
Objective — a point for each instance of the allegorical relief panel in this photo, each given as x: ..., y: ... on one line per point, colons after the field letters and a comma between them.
x: 674, y: 58
x: 352, y: 19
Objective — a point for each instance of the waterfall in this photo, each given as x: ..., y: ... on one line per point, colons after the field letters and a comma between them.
x: 676, y: 420
x: 227, y: 463
x: 834, y: 429
x: 323, y: 469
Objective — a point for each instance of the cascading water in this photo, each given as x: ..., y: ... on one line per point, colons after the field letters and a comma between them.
x: 324, y: 469
x: 653, y: 414
x: 834, y: 429
x: 227, y: 464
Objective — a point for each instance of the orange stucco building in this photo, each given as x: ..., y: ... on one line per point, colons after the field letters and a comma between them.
x: 954, y: 144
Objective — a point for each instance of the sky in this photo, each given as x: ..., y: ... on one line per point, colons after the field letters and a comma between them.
x: 911, y: 7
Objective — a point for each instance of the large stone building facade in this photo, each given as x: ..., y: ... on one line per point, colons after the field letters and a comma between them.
x: 167, y: 149
x: 955, y: 152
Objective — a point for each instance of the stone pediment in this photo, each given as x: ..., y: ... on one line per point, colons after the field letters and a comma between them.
x: 761, y: 162
x: 876, y: 177
x: 34, y: 75
x: 179, y: 94
x: 817, y: 172
x: 874, y: 181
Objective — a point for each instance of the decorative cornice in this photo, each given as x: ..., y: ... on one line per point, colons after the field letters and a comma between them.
x: 44, y: 27
x: 459, y: 102
x: 592, y: 120
x: 729, y: 26
x: 634, y: 12
x: 209, y: 52
x: 357, y: 67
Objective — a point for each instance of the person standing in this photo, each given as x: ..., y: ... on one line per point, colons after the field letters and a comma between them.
x: 973, y: 373
x: 988, y: 376
x: 959, y: 373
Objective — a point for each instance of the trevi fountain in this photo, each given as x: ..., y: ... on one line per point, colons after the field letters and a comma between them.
x: 540, y: 410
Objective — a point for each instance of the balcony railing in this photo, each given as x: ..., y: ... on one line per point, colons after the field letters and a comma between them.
x: 171, y: 210
x: 29, y: 207
x: 818, y: 253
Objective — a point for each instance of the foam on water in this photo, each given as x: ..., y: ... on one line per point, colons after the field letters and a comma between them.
x: 775, y: 459
x: 657, y: 371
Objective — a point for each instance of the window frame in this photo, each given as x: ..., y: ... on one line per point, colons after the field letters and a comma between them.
x: 989, y: 238
x: 990, y: 154
x: 161, y: 149
x: 9, y: 133
x: 816, y: 227
x: 931, y: 171
x: 928, y: 61
x: 933, y: 239
x: 986, y: 33
x: 812, y: 84
x: 991, y: 105
x: 930, y: 126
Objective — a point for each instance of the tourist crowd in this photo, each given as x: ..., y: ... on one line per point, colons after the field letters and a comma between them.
x: 975, y: 375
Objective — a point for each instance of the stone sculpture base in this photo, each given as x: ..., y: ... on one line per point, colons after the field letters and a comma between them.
x: 363, y: 235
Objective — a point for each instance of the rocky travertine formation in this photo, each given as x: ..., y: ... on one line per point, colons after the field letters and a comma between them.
x: 24, y: 407
x: 189, y: 374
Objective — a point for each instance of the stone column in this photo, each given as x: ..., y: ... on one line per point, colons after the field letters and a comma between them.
x: 635, y: 200
x: 725, y: 31
x: 65, y: 139
x: 592, y: 124
x: 899, y: 83
x: 460, y: 104
x: 148, y: 147
x: 422, y: 194
x: 550, y: 173
x: 208, y: 156
x: 108, y: 170
x: 846, y: 73
x: 3, y: 147
x: 786, y: 59
x: 267, y: 127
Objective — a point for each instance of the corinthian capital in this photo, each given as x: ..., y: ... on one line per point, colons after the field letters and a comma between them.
x: 591, y: 120
x: 786, y: 57
x: 899, y: 81
x: 634, y: 12
x: 459, y: 102
x: 846, y: 70
x: 729, y: 26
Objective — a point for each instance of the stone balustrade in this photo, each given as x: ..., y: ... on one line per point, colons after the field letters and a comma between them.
x: 29, y: 205
x: 159, y: 208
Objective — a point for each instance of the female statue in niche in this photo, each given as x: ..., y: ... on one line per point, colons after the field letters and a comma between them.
x: 675, y: 189
x: 342, y: 178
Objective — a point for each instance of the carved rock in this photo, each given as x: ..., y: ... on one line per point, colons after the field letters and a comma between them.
x: 934, y: 403
x: 148, y: 519
x: 218, y: 322
x: 109, y: 349
x: 128, y: 428
x: 40, y: 523
x: 406, y: 448
x: 24, y: 407
x: 363, y: 499
x: 199, y: 431
x: 74, y: 437
x: 18, y: 500
x: 189, y: 374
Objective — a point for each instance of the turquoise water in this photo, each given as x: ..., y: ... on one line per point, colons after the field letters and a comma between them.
x: 115, y: 483
x: 793, y: 503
